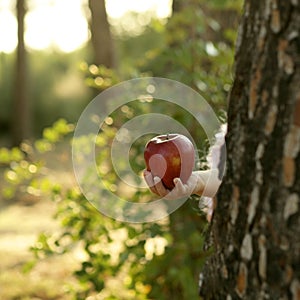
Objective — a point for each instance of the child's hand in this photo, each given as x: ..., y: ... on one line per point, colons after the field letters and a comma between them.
x: 180, y: 190
x: 202, y: 183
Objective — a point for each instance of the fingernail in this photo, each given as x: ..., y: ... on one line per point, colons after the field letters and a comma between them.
x: 156, y: 180
x: 176, y: 180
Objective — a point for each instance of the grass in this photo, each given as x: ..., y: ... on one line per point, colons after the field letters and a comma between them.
x: 21, y: 220
x: 50, y: 278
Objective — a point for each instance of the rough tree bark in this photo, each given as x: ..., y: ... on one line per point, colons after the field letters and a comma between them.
x: 100, y: 34
x: 20, y: 113
x: 256, y: 225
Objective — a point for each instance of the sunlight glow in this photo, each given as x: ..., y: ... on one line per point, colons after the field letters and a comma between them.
x: 117, y: 8
x: 8, y: 32
x: 62, y: 24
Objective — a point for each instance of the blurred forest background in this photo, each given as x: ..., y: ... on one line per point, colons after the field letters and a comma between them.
x: 55, y: 56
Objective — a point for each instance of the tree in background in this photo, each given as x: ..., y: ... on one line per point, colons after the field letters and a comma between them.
x: 100, y: 34
x: 21, y: 121
x: 256, y: 226
x: 177, y: 6
x: 21, y: 108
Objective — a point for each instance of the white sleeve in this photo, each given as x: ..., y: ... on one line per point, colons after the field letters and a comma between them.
x: 215, y: 156
x: 216, y: 160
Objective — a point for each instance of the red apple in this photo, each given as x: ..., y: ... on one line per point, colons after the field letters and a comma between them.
x: 170, y: 156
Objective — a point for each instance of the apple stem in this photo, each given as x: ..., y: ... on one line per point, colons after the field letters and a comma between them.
x: 167, y: 136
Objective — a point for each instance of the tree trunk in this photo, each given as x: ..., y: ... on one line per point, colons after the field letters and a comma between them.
x: 101, y: 36
x: 20, y: 114
x: 256, y: 225
x: 177, y: 6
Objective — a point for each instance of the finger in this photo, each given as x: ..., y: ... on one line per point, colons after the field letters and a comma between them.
x: 149, y: 180
x: 161, y: 190
x: 179, y: 191
x: 192, y: 183
x: 179, y: 186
